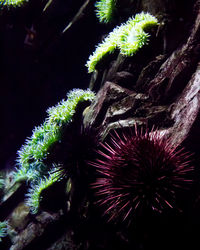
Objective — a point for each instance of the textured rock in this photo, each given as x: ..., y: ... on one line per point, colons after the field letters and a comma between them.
x: 30, y: 237
x: 177, y: 70
x: 109, y: 93
x: 19, y: 218
x: 117, y: 107
x: 184, y: 112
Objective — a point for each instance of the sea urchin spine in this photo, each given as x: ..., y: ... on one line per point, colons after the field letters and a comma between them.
x: 139, y: 170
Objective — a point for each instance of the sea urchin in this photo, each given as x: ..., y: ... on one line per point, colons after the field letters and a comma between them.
x: 139, y: 171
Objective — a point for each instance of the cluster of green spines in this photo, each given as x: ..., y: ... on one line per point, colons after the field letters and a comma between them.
x: 31, y: 166
x: 34, y: 195
x: 12, y: 3
x: 3, y: 229
x: 1, y: 182
x: 36, y: 148
x: 64, y: 111
x: 128, y: 38
x: 105, y: 9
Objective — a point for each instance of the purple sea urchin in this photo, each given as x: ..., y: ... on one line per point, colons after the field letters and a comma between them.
x: 139, y: 171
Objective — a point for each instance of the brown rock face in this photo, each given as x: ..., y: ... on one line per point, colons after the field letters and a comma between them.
x: 117, y: 107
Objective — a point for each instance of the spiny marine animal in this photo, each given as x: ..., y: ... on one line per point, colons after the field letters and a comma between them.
x: 105, y: 10
x: 12, y: 3
x: 33, y: 166
x: 139, y: 170
x: 129, y: 37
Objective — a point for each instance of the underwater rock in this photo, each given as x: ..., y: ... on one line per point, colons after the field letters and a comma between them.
x: 117, y: 107
x: 186, y: 109
x: 34, y: 233
x: 108, y: 94
x: 19, y: 218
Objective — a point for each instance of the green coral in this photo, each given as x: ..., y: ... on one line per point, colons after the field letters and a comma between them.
x: 1, y: 182
x: 3, y: 229
x: 36, y: 148
x: 12, y: 3
x: 34, y: 195
x: 31, y: 156
x: 128, y: 38
x: 105, y: 10
x: 2, y: 186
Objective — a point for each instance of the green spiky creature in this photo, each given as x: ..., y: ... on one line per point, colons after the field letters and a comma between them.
x: 12, y: 3
x: 32, y: 155
x: 105, y: 10
x: 128, y: 38
x: 34, y: 195
x: 3, y: 229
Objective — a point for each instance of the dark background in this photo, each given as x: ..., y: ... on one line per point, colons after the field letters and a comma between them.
x: 39, y: 65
